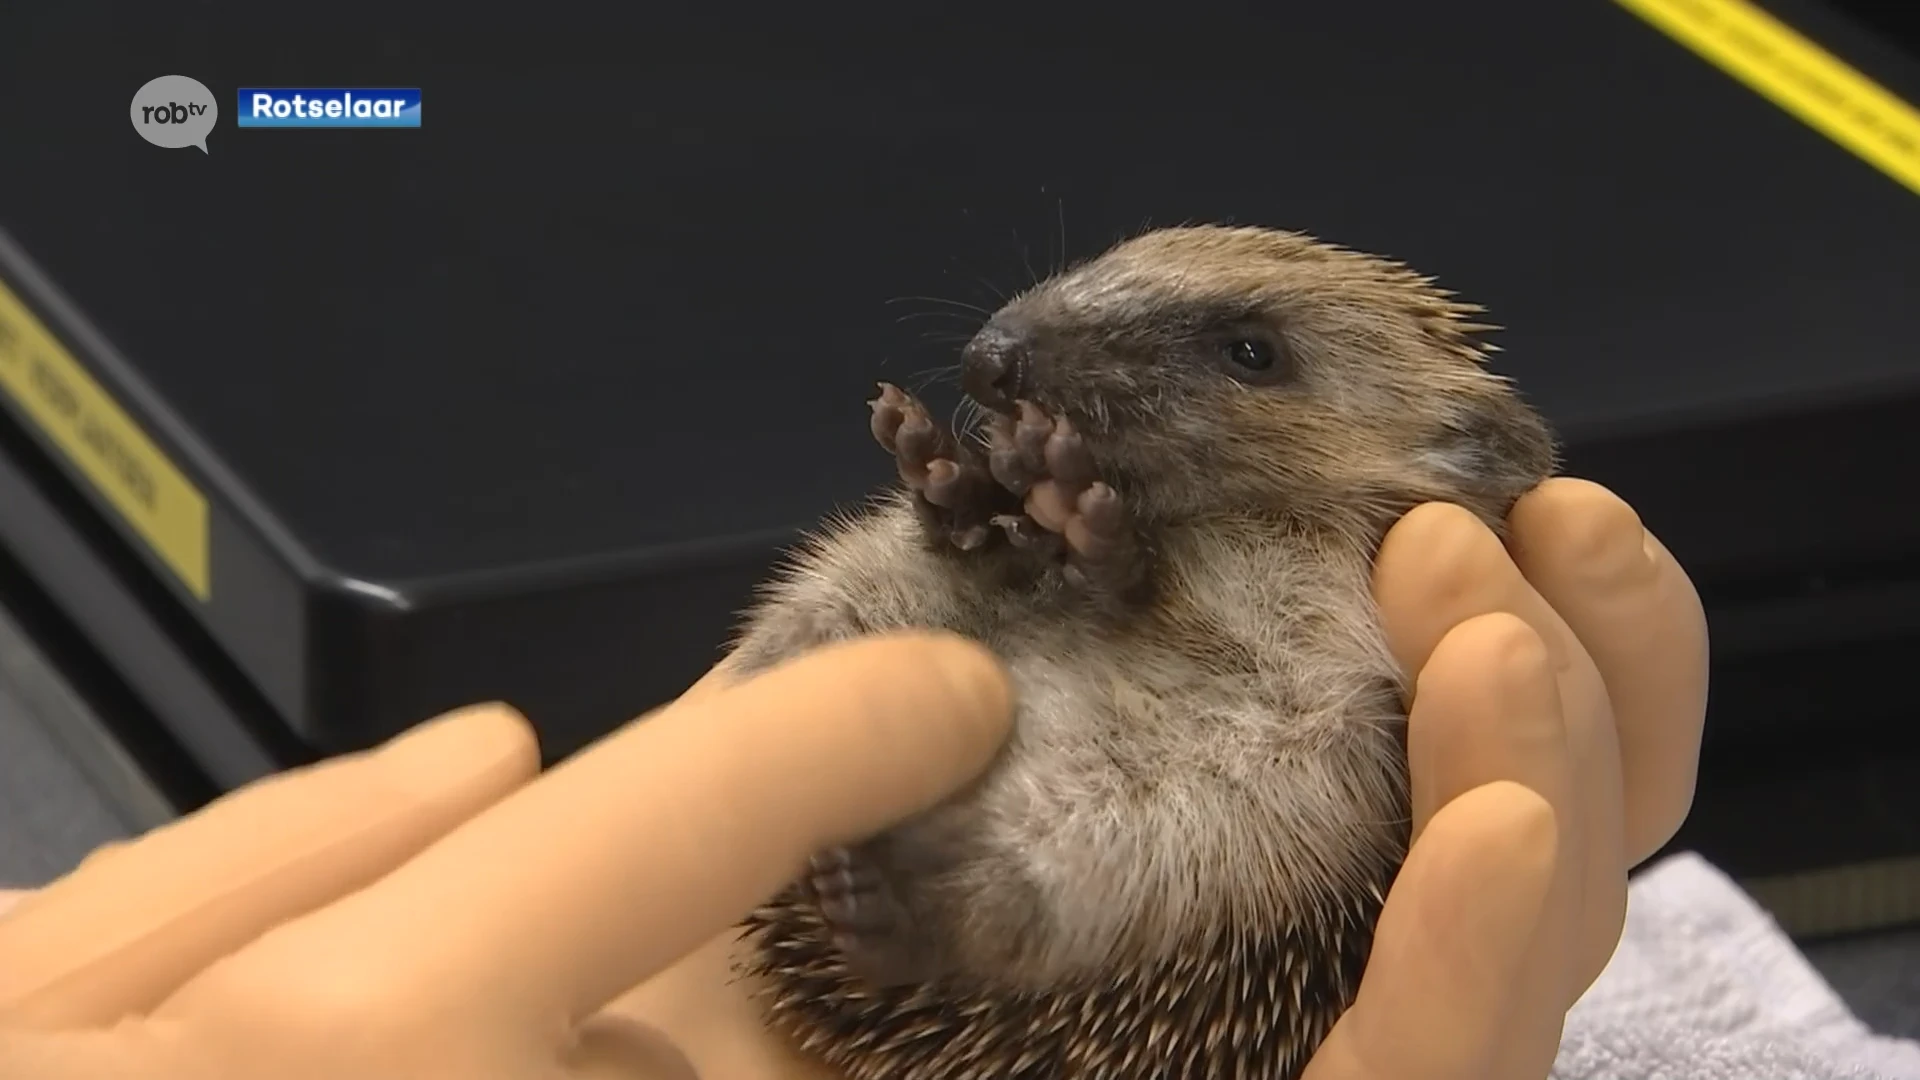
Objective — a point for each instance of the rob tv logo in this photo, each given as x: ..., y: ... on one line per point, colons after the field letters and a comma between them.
x: 262, y: 107
x: 174, y: 111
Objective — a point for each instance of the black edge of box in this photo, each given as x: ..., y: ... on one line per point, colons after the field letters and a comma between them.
x: 610, y: 647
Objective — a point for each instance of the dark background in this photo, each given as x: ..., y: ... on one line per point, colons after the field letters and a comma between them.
x: 624, y: 290
x: 492, y: 334
x: 1899, y: 22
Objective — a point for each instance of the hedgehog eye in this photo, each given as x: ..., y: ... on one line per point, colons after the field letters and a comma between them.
x: 1256, y: 359
x: 1252, y: 355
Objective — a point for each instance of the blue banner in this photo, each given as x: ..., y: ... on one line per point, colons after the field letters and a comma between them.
x: 343, y: 108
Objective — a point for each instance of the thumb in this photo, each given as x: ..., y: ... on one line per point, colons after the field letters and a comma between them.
x: 1437, y: 1001
x: 611, y: 1047
x: 130, y: 1051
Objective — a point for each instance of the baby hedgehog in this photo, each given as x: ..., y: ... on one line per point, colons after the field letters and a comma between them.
x: 1195, y: 444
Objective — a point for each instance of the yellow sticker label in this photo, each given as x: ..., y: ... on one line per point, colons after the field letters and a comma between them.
x: 104, y: 443
x: 1797, y: 75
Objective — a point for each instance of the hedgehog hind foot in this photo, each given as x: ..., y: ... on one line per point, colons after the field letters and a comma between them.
x: 871, y: 926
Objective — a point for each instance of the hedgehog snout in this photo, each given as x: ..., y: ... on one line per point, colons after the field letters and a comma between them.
x: 997, y: 365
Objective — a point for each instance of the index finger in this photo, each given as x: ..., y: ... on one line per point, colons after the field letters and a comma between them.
x: 630, y: 855
x: 131, y: 924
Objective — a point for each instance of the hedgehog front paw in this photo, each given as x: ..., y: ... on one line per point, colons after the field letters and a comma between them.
x: 1069, y: 512
x: 955, y: 491
x: 870, y: 925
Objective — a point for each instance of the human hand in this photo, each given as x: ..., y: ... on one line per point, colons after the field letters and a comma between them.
x: 433, y: 910
x: 1554, y: 736
x: 1548, y: 754
x: 1553, y: 742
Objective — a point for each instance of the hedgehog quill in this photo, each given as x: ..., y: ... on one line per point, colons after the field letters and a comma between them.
x: 1195, y: 444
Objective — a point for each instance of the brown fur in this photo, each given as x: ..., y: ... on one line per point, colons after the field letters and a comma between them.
x: 1217, y: 778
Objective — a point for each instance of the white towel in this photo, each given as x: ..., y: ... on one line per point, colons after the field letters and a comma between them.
x: 1706, y: 986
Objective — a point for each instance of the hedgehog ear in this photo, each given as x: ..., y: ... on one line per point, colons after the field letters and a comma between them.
x: 1496, y: 448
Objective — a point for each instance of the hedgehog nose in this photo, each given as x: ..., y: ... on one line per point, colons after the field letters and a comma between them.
x: 994, y: 367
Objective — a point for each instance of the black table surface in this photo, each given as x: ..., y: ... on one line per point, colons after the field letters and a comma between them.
x: 627, y: 286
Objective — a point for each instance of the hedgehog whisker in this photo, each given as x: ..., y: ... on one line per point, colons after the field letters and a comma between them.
x: 963, y: 305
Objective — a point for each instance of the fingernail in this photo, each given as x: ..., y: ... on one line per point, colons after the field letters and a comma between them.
x: 477, y: 736
x: 1607, y: 544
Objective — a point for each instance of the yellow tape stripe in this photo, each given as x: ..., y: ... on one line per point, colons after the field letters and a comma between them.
x: 104, y: 443
x: 1797, y: 75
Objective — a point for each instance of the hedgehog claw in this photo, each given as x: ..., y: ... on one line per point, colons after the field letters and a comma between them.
x: 1091, y: 519
x: 869, y: 924
x: 1026, y: 534
x: 1035, y: 482
x: 1017, y: 448
x: 952, y: 486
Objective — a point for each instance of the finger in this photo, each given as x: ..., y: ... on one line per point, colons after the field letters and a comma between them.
x: 1439, y: 567
x: 124, y: 930
x: 1635, y: 610
x: 103, y: 852
x: 712, y: 1013
x: 631, y: 854
x: 13, y: 900
x: 1486, y: 709
x: 128, y: 1052
x: 1438, y: 1000
x: 617, y: 1048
